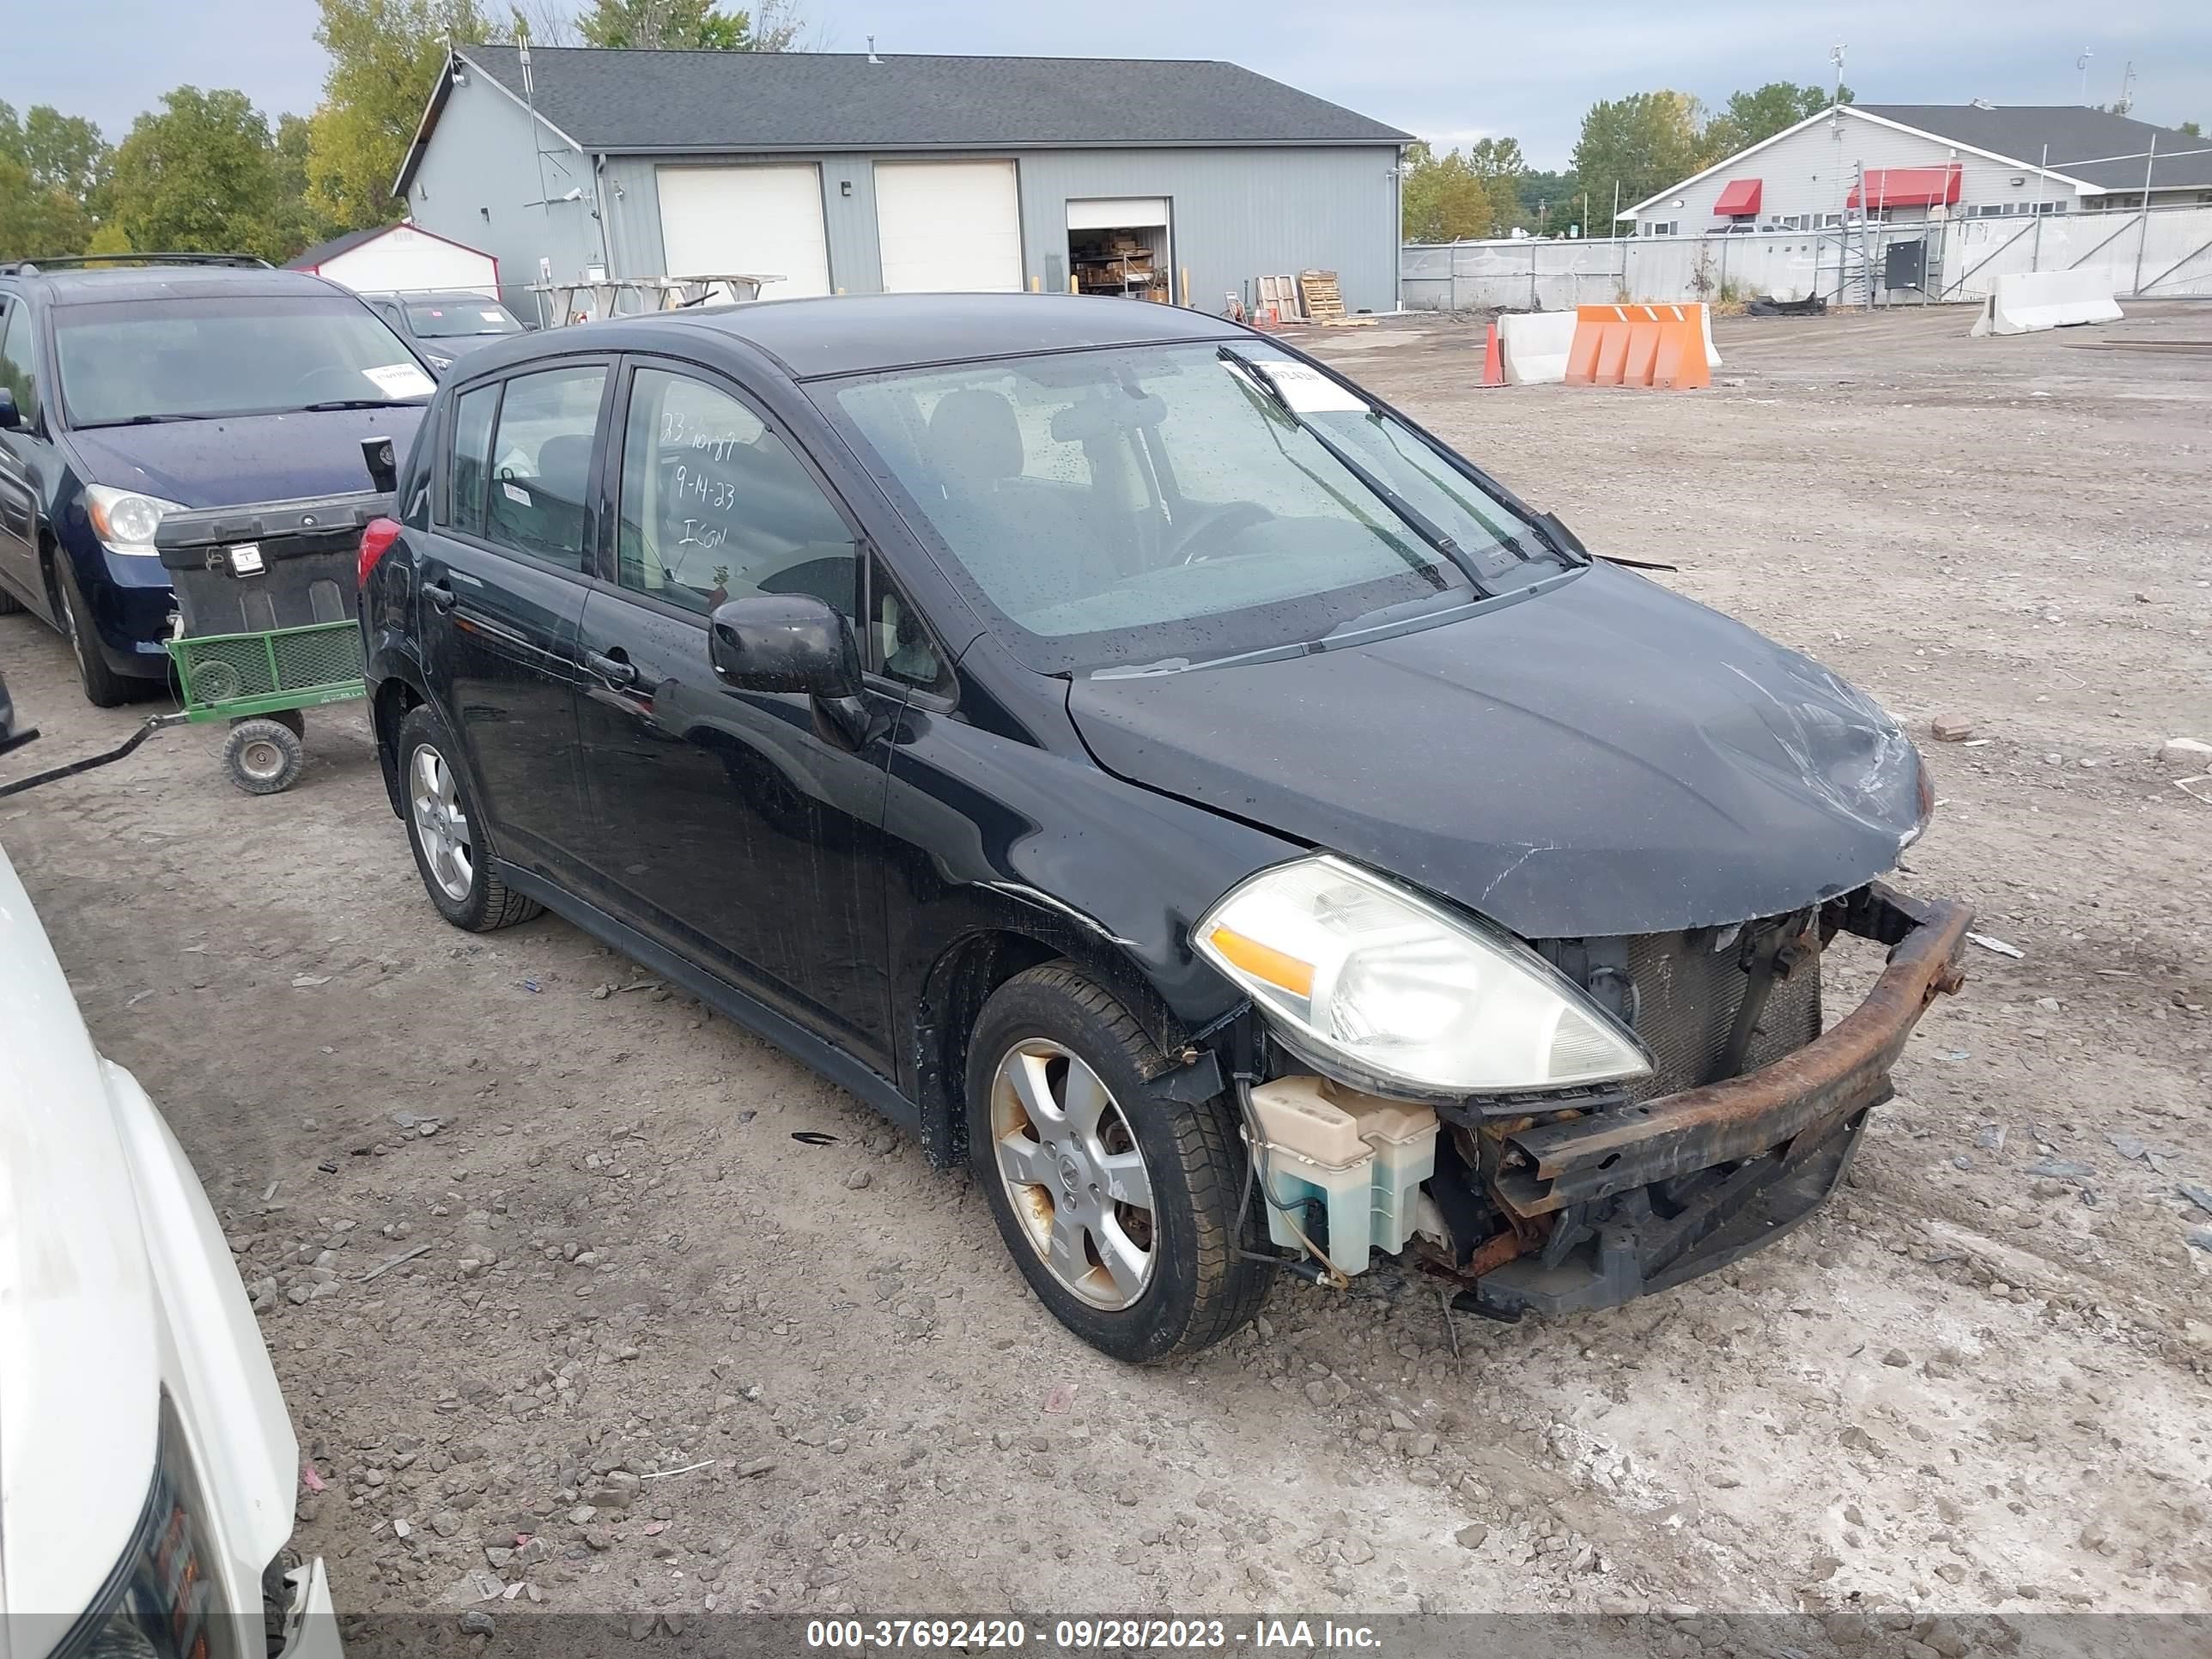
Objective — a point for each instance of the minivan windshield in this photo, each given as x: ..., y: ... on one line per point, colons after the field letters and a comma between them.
x: 464, y: 313
x: 1140, y: 505
x: 201, y: 357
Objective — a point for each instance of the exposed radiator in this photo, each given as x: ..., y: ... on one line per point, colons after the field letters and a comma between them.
x: 1687, y: 994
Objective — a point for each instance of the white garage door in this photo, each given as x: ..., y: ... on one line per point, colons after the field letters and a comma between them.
x: 946, y: 225
x: 762, y: 221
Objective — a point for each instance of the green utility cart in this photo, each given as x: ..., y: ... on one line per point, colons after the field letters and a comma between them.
x: 265, y: 626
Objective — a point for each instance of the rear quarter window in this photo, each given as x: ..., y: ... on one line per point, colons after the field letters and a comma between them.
x: 470, y: 462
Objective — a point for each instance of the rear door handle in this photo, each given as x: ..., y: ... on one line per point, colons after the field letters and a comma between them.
x: 441, y: 596
x: 614, y: 670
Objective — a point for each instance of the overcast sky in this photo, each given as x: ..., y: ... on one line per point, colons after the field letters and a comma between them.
x: 1447, y: 71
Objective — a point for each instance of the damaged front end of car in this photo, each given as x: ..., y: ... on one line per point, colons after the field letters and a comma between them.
x: 1746, y: 1119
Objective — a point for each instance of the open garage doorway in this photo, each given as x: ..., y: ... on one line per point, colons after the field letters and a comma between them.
x: 1122, y: 246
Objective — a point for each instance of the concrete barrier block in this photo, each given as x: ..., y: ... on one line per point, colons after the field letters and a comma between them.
x: 2026, y: 302
x: 1535, y: 346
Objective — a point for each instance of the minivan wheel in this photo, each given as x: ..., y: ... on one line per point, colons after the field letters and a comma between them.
x: 1119, y: 1208
x: 452, y: 850
x: 103, y: 687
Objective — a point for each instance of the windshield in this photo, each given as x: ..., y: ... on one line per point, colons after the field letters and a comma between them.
x: 436, y: 319
x: 202, y: 358
x: 1134, y: 506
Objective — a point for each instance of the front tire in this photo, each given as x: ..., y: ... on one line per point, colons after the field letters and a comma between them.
x: 1119, y: 1208
x: 452, y: 847
x: 103, y: 687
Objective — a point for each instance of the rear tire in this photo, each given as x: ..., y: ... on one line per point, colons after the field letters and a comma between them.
x: 264, y: 756
x: 453, y: 846
x: 1057, y: 1091
x: 103, y: 687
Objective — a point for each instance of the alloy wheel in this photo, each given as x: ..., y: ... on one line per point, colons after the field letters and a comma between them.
x: 1073, y: 1174
x: 442, y: 824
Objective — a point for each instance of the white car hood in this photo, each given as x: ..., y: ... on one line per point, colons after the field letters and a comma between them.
x: 79, y: 1372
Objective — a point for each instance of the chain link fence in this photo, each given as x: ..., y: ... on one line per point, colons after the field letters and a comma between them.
x: 2163, y: 253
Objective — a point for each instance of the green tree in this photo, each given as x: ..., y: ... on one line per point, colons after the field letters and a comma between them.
x: 1642, y: 143
x: 51, y: 167
x: 1750, y: 117
x: 2191, y: 128
x: 1444, y: 198
x: 201, y: 176
x: 653, y: 25
x: 384, y: 57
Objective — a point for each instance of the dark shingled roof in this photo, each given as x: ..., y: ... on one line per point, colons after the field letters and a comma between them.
x: 742, y: 101
x: 2078, y: 138
x: 314, y: 256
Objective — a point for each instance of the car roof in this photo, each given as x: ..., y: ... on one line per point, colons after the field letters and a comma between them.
x: 858, y: 334
x: 174, y: 282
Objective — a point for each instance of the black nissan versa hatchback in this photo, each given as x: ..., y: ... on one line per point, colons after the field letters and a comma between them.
x: 1158, y: 774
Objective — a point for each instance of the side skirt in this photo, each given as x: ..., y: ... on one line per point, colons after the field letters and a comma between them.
x: 802, y: 1044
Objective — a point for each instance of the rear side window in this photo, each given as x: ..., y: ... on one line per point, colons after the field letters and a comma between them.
x: 472, y: 459
x: 541, y: 464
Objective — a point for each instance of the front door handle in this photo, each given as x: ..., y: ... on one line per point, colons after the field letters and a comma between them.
x: 616, y: 671
x: 441, y: 596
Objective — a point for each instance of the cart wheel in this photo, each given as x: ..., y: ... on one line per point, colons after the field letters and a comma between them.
x: 265, y: 757
x: 290, y: 717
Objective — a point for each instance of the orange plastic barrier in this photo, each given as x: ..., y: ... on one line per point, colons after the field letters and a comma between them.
x: 1658, y: 346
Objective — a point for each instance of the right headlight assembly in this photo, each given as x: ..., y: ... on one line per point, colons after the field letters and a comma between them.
x: 1376, y: 985
x: 165, y: 1598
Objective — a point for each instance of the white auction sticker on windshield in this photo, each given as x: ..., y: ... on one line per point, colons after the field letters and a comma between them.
x: 492, y: 316
x: 401, y: 381
x: 1308, y: 391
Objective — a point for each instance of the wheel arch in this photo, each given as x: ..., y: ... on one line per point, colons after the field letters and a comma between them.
x: 970, y: 967
x: 389, y: 705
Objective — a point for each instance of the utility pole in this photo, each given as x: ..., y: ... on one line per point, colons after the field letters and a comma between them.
x: 2043, y: 172
x: 2148, y: 162
x: 2127, y: 89
x: 1836, y: 56
x: 2082, y: 63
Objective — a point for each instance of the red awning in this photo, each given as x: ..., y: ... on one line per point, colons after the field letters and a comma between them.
x: 1908, y: 187
x: 1739, y: 199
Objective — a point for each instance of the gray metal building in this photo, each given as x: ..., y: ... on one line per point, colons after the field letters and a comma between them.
x: 848, y: 172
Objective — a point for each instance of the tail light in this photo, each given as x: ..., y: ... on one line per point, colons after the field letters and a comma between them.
x: 376, y: 539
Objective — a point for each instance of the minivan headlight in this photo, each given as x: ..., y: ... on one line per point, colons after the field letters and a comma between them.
x: 125, y: 521
x: 165, y: 1598
x: 1367, y: 979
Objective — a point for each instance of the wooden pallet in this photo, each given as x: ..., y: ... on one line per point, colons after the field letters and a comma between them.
x: 1282, y: 293
x: 1324, y: 301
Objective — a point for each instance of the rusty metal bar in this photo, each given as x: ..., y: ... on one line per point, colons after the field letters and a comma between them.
x: 1842, y: 1071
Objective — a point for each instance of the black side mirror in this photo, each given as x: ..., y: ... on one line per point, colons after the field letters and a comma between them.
x: 382, y: 463
x: 10, y: 416
x: 791, y: 642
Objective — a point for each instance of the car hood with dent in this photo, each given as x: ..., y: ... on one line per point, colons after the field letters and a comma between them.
x: 245, y: 458
x: 80, y: 1374
x: 1605, y: 758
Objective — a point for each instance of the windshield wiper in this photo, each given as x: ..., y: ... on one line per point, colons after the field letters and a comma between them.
x: 1414, y: 519
x: 142, y: 420
x: 362, y: 403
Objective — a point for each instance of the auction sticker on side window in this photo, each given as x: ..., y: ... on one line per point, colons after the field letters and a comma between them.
x: 401, y: 381
x: 1308, y: 391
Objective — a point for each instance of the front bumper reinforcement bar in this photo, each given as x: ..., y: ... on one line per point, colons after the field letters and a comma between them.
x: 1646, y: 1195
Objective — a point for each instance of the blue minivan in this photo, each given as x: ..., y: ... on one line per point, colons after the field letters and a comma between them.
x: 127, y: 391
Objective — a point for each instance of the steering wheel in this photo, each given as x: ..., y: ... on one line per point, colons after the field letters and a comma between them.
x: 342, y: 382
x: 1244, y: 514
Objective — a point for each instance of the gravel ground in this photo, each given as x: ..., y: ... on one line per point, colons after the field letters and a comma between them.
x: 642, y: 1350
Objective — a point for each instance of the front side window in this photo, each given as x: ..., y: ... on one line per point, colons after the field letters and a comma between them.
x: 208, y: 358
x: 1138, y: 505
x: 542, y: 463
x: 19, y: 360
x: 715, y: 505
